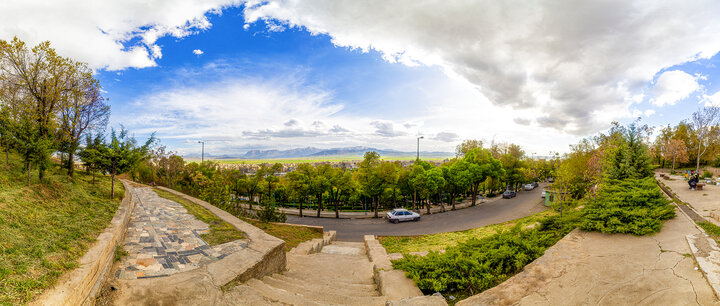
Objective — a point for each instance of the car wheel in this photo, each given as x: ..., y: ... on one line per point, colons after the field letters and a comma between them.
x: 416, y: 219
x: 396, y: 221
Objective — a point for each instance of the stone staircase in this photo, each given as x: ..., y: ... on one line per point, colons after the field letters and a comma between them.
x: 340, y: 274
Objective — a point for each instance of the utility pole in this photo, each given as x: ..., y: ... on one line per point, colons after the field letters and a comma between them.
x: 418, y: 147
x: 202, y: 155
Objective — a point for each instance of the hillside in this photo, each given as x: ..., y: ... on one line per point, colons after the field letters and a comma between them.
x: 45, y: 228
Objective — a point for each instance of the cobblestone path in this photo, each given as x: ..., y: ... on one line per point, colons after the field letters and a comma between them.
x: 163, y: 239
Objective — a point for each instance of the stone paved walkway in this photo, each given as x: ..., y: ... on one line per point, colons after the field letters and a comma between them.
x: 163, y: 239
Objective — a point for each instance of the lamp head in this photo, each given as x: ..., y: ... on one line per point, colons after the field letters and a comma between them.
x: 421, y: 137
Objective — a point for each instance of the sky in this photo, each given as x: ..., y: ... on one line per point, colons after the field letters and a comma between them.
x: 276, y: 74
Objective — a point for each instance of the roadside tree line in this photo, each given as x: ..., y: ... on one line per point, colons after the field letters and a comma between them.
x: 373, y: 185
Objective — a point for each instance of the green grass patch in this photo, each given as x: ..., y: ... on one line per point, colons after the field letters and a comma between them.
x: 220, y: 231
x: 292, y: 235
x: 47, y: 227
x: 711, y: 229
x: 442, y: 241
x: 120, y: 253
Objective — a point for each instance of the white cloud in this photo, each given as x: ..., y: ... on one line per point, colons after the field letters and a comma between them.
x: 673, y: 86
x: 712, y: 100
x: 198, y: 52
x: 570, y: 62
x: 106, y: 34
x: 446, y: 137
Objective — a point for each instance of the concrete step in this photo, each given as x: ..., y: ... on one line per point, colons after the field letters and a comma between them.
x: 323, y: 298
x: 317, y: 277
x: 244, y: 295
x: 370, y: 287
x: 279, y: 295
x: 328, y: 270
x: 348, y: 248
x: 303, y: 287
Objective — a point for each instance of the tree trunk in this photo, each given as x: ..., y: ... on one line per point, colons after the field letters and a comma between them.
x: 377, y: 203
x: 319, y: 208
x: 673, y: 164
x: 337, y: 213
x: 697, y: 168
x: 474, y: 194
x: 28, y: 173
x: 7, y: 153
x: 301, y: 206
x: 414, y: 199
x: 41, y: 170
x: 442, y: 205
x: 71, y: 164
x: 452, y: 200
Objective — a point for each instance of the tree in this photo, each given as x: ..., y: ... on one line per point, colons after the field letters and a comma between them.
x: 82, y: 109
x: 457, y: 178
x: 121, y: 154
x: 675, y: 150
x: 702, y: 121
x: 467, y: 145
x: 320, y: 183
x: 374, y: 176
x: 434, y: 185
x: 42, y: 76
x: 299, y: 182
x: 418, y: 182
x: 90, y: 154
x: 340, y: 182
x: 481, y: 165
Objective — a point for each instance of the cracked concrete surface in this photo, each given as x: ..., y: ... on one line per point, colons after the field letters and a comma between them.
x: 600, y: 269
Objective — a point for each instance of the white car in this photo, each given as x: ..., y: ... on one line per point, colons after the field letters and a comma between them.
x: 544, y: 193
x: 400, y: 214
x: 528, y: 186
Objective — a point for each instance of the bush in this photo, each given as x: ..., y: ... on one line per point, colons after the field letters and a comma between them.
x: 480, y: 264
x: 270, y: 214
x: 707, y: 174
x: 631, y: 206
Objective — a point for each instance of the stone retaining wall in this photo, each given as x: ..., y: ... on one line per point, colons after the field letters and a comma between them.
x: 393, y: 283
x: 80, y: 285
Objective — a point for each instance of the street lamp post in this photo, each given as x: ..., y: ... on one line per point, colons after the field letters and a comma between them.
x: 202, y: 154
x: 418, y: 147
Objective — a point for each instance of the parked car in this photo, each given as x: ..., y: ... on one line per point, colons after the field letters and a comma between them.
x: 535, y: 184
x: 543, y: 193
x: 528, y: 186
x: 509, y: 194
x: 551, y: 180
x: 401, y: 214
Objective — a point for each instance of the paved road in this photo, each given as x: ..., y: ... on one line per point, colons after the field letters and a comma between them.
x: 526, y: 203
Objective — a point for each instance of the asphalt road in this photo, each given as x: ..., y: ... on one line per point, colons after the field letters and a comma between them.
x: 526, y: 203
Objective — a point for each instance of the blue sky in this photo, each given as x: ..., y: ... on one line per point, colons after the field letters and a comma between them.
x: 287, y: 74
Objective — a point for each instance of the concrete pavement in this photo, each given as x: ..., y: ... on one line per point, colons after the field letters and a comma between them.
x: 592, y: 268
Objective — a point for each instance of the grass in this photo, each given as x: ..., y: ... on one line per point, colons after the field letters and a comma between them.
x: 711, y: 229
x: 292, y: 235
x: 46, y: 228
x: 441, y: 241
x: 220, y: 231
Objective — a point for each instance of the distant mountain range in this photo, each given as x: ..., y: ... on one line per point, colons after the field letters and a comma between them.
x: 309, y: 152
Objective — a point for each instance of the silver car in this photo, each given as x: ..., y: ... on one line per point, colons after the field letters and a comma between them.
x: 400, y: 214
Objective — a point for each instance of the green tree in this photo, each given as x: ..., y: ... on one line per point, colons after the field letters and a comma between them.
x: 481, y: 165
x: 457, y: 178
x: 121, y: 154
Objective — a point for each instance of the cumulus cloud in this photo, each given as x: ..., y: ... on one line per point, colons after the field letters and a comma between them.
x: 107, y: 34
x: 673, y: 86
x: 198, y: 52
x: 291, y: 122
x: 446, y: 137
x: 712, y: 100
x: 571, y: 62
x: 337, y: 129
x: 386, y: 129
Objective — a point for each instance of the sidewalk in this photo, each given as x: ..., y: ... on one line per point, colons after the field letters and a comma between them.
x: 330, y: 213
x: 587, y: 268
x: 705, y: 202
